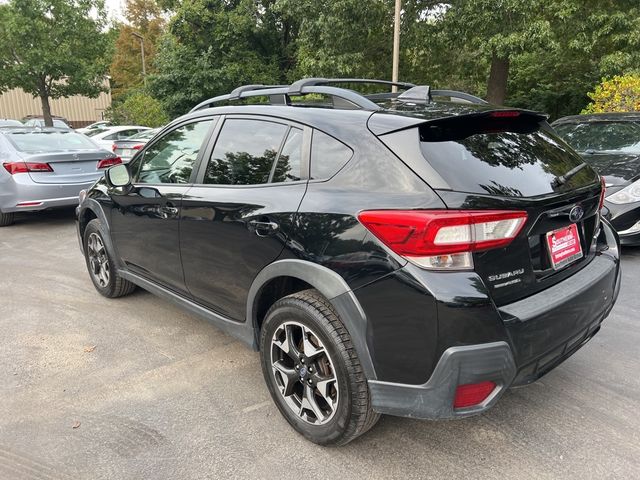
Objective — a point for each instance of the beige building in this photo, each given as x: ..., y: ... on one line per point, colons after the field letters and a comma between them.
x: 79, y: 111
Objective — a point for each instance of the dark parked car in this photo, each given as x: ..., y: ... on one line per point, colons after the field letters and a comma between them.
x: 128, y: 147
x: 392, y: 253
x: 610, y: 143
x: 43, y: 168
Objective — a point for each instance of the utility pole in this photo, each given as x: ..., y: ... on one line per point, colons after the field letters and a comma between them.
x: 144, y: 66
x: 396, y: 45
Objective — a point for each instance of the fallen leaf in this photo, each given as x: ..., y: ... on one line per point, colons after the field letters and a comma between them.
x: 76, y: 425
x: 90, y: 349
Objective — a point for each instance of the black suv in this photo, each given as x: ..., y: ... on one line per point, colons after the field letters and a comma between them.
x: 412, y: 253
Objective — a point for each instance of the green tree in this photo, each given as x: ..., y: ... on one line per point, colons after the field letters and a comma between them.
x: 214, y: 46
x: 138, y: 109
x: 53, y: 48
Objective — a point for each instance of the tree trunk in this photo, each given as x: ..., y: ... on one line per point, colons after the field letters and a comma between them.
x: 44, y: 100
x: 497, y: 85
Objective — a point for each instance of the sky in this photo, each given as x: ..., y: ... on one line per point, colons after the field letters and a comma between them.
x: 115, y: 8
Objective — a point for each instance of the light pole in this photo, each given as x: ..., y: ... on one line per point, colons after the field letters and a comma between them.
x: 396, y: 45
x: 144, y: 67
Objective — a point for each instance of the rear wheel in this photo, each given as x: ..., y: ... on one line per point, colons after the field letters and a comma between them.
x: 313, y: 372
x: 101, y: 265
x: 6, y: 219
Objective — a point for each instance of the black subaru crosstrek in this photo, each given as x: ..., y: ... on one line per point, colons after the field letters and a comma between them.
x: 412, y: 253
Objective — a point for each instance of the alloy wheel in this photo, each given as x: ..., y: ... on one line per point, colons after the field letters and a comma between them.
x: 304, y: 373
x: 98, y: 260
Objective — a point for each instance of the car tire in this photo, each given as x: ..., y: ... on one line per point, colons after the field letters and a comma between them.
x: 100, y: 264
x: 325, y: 411
x: 6, y: 219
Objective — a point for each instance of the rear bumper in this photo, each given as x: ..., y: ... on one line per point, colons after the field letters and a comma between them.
x: 22, y: 194
x: 541, y: 331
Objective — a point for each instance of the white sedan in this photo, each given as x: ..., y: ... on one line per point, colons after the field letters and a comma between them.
x: 105, y: 136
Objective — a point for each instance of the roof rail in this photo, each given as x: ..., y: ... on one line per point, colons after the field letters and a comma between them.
x: 341, y: 97
x: 424, y: 93
x: 296, y: 87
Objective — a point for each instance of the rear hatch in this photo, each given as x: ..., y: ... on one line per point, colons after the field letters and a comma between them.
x: 71, y: 157
x: 512, y: 160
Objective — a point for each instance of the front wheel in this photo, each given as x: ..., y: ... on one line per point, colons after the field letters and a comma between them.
x: 313, y: 372
x: 101, y: 266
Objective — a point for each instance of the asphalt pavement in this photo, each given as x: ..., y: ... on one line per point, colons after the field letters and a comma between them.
x: 136, y: 388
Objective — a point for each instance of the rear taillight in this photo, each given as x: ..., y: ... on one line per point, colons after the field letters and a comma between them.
x: 602, y: 192
x: 114, y: 147
x: 25, y: 167
x: 109, y: 162
x: 443, y: 239
x: 472, y: 394
x: 138, y: 147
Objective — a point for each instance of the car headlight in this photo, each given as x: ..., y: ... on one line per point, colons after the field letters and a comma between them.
x: 629, y: 194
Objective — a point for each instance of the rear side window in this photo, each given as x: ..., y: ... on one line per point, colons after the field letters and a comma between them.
x: 288, y: 167
x: 245, y: 152
x: 328, y: 156
x: 513, y: 157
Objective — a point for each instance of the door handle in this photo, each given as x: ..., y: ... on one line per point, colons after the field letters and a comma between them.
x: 264, y: 228
x: 169, y: 211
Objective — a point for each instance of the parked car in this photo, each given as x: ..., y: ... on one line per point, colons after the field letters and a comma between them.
x: 7, y: 122
x: 46, y: 167
x: 34, y: 121
x: 128, y: 147
x: 610, y: 143
x: 386, y: 254
x: 105, y: 136
x: 93, y: 126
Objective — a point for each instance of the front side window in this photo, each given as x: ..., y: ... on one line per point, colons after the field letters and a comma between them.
x: 245, y: 152
x: 172, y: 157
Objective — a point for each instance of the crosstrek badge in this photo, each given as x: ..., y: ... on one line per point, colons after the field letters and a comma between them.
x: 564, y: 246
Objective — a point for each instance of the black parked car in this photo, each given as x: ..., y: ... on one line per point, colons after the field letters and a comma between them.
x: 411, y: 254
x: 610, y: 143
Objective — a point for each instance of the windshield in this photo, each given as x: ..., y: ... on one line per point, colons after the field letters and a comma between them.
x: 34, y: 142
x: 622, y: 137
x: 10, y: 123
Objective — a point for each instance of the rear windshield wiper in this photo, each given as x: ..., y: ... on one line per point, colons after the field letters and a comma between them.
x: 562, y: 179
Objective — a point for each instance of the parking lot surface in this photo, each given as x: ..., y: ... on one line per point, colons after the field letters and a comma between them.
x: 135, y: 388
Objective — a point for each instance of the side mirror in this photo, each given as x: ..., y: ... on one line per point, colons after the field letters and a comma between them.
x: 118, y: 176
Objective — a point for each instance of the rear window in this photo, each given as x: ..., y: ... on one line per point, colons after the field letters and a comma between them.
x: 515, y: 157
x: 34, y: 142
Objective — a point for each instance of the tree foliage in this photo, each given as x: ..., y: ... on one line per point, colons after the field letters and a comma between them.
x: 528, y: 53
x: 618, y: 94
x: 138, y: 109
x: 53, y: 48
x: 143, y: 17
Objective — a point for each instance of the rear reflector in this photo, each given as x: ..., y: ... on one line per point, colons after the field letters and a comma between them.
x: 472, y: 394
x: 29, y: 204
x: 109, y: 162
x: 443, y: 238
x: 25, y: 167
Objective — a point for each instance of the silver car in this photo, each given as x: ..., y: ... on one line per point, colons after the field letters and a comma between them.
x: 46, y: 168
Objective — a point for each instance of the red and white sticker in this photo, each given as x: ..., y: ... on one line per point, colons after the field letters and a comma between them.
x: 564, y: 246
